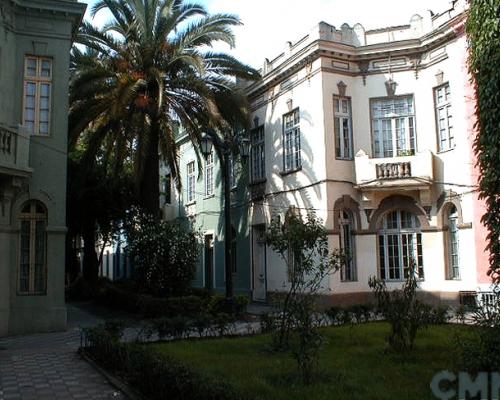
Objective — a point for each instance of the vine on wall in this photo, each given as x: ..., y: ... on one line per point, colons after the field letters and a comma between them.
x: 483, y: 29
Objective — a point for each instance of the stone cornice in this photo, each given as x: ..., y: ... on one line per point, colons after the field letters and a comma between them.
x: 410, y: 48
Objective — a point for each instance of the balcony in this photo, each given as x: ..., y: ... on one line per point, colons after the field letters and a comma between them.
x: 14, y: 151
x: 395, y: 174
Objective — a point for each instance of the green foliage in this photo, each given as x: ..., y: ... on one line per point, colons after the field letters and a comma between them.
x: 305, y: 250
x: 483, y: 28
x: 404, y: 312
x: 147, y: 70
x: 478, y: 348
x: 153, y: 375
x: 164, y: 255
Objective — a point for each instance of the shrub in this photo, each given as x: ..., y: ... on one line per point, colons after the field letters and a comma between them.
x: 164, y: 255
x: 478, y: 350
x: 404, y: 312
x: 153, y: 375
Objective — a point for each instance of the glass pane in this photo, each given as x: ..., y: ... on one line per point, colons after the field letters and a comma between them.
x: 46, y: 68
x: 30, y: 89
x: 44, y: 90
x: 31, y: 67
x: 24, y: 267
x: 40, y: 256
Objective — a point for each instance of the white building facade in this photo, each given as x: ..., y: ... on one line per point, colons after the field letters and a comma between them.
x: 372, y: 130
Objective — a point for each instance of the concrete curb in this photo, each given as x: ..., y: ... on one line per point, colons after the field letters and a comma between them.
x: 117, y: 383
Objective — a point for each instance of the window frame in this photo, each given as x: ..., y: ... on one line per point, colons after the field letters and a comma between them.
x: 337, y: 136
x: 448, y: 105
x: 296, y: 147
x: 32, y: 218
x: 347, y: 239
x: 38, y: 80
x: 453, y: 272
x: 394, y: 138
x: 397, y: 234
x: 258, y: 154
x: 190, y: 191
x: 209, y: 177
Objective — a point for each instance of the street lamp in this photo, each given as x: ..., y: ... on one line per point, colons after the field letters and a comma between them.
x: 207, y: 142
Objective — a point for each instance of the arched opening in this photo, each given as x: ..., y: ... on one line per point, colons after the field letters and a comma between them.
x: 33, y: 249
x: 400, y: 245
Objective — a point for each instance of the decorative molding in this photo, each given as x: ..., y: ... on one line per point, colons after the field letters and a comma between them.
x: 439, y: 77
x: 341, y: 86
x: 289, y: 104
x: 390, y: 87
x: 415, y: 62
x: 363, y: 67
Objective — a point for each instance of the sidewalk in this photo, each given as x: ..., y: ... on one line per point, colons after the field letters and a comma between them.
x: 46, y: 366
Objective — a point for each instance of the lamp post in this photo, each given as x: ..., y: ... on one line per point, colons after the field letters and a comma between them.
x: 208, y: 141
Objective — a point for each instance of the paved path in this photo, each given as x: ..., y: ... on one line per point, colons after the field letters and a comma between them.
x: 47, y: 367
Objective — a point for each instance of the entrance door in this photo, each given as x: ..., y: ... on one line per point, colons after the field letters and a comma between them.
x: 259, y: 263
x: 209, y: 261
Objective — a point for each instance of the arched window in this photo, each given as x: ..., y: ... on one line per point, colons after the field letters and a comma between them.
x: 453, y: 259
x: 33, y: 249
x: 347, y: 245
x: 400, y: 245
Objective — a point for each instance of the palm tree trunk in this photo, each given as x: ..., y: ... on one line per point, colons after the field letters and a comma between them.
x: 149, y: 186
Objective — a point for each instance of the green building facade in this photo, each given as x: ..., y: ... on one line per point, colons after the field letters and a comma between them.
x: 35, y: 41
x: 199, y: 206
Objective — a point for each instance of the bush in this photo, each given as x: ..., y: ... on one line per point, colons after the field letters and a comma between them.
x: 153, y: 375
x: 478, y: 350
x: 164, y: 255
x: 404, y: 312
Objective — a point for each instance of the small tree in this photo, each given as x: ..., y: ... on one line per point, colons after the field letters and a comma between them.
x: 401, y: 308
x: 164, y: 255
x: 304, y: 248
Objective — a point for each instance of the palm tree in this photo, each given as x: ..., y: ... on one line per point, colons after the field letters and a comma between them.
x: 144, y: 73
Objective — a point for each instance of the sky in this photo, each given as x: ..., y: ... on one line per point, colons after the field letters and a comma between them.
x: 269, y: 24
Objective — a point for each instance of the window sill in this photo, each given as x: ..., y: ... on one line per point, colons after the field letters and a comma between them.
x: 344, y: 159
x: 190, y: 203
x: 209, y: 196
x: 291, y: 171
x: 257, y: 182
x: 445, y: 151
x: 346, y: 281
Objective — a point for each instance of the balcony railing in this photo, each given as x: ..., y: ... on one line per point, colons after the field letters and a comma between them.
x: 380, y: 172
x: 14, y: 151
x: 393, y: 170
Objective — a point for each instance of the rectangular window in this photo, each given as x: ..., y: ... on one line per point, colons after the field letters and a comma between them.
x: 291, y: 141
x: 348, y: 271
x: 393, y: 127
x: 167, y: 189
x: 257, y: 154
x: 209, y: 175
x: 191, y: 182
x: 444, y: 119
x: 342, y: 125
x: 37, y: 94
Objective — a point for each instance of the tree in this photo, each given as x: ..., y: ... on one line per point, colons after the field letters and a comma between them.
x: 146, y: 72
x: 303, y: 245
x: 96, y: 204
x: 483, y: 28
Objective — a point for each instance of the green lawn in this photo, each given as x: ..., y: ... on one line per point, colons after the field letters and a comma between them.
x: 353, y: 364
